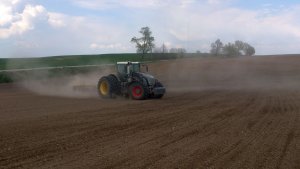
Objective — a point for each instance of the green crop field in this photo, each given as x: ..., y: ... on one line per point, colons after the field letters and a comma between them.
x: 76, y: 60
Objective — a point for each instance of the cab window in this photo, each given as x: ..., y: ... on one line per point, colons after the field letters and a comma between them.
x: 136, y: 67
x: 122, y: 69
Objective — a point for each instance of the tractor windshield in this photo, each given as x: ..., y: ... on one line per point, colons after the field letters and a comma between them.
x: 122, y: 68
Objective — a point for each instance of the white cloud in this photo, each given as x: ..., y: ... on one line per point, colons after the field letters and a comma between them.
x: 74, y: 34
x: 56, y: 20
x: 203, y: 24
x: 108, y: 4
x: 191, y: 24
x: 16, y: 23
x: 5, y: 14
x: 6, y: 11
x: 215, y: 2
x: 115, y: 46
x: 26, y: 44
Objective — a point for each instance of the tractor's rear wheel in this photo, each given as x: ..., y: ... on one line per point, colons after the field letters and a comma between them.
x: 137, y: 91
x: 106, y: 87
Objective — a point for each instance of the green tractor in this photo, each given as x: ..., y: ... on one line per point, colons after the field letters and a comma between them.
x: 130, y: 82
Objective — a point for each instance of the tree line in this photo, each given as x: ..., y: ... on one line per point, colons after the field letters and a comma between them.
x: 238, y: 48
x: 145, y: 44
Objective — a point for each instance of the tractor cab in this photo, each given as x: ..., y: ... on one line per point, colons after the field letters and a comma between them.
x: 126, y: 68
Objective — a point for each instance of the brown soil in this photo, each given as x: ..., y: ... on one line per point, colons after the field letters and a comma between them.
x: 218, y: 113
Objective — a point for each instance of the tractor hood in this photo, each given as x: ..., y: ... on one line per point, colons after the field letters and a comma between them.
x: 151, y: 80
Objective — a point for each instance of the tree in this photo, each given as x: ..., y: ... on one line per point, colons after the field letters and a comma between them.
x: 231, y: 50
x: 240, y: 46
x: 244, y: 48
x: 145, y: 43
x: 249, y: 50
x: 216, y: 47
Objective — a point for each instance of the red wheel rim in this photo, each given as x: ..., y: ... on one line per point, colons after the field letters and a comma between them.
x: 137, y: 91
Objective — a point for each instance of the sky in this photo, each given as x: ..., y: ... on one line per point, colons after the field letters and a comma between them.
x: 37, y: 28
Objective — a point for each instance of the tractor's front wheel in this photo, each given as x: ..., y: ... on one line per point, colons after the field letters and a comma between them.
x: 105, y: 87
x: 137, y: 91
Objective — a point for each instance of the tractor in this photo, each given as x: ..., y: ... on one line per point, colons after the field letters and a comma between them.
x: 130, y: 82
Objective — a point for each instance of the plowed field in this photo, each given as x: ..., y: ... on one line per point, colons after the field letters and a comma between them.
x: 217, y: 113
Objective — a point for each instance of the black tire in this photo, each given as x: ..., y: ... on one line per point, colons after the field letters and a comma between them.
x: 137, y: 91
x: 106, y: 87
x: 116, y: 84
x: 158, y: 96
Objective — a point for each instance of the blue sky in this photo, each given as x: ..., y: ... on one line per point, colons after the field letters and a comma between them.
x: 34, y: 28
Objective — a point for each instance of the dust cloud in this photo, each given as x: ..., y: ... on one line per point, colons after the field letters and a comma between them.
x: 184, y: 75
x: 245, y: 73
x: 83, y: 85
x: 78, y: 82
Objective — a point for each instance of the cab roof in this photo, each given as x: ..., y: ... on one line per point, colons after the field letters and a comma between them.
x: 127, y: 62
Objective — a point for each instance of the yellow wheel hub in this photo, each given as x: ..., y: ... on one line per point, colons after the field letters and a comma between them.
x: 104, y: 88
